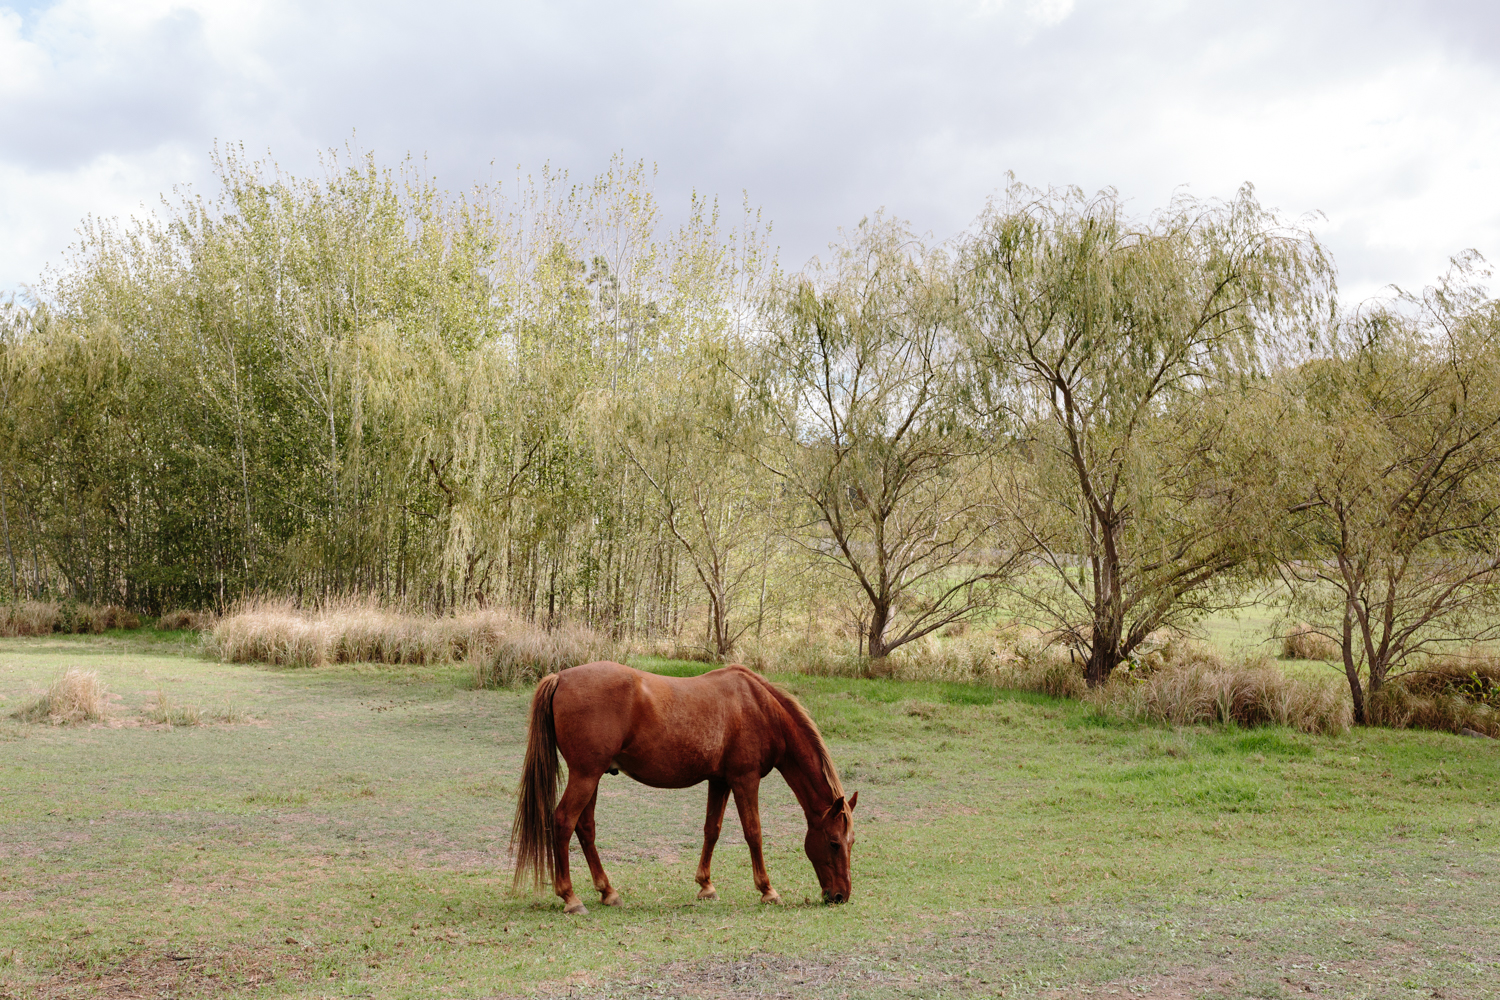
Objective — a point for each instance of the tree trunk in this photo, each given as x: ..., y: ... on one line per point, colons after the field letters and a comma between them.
x: 9, y: 554
x: 718, y: 623
x: 1103, y: 658
x: 880, y: 617
x: 1104, y: 651
x: 1356, y: 691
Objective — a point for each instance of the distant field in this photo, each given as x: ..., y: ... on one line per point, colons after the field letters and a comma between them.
x: 349, y: 840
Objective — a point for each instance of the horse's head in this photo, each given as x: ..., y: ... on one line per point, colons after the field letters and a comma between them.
x: 830, y: 838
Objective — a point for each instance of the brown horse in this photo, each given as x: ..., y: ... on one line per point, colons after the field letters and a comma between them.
x: 728, y: 727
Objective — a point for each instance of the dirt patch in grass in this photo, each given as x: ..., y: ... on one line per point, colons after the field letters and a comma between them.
x: 759, y: 976
x: 1173, y: 984
x: 189, y: 972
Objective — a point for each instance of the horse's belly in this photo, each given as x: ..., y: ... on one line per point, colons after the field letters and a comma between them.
x: 678, y: 774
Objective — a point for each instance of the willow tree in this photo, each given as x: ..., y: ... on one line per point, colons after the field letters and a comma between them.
x: 861, y: 380
x: 1391, y: 453
x: 1116, y: 348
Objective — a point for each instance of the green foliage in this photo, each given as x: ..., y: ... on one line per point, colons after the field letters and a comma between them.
x: 1390, y: 462
x: 861, y: 378
x: 357, y: 383
x: 536, y: 400
x: 1119, y: 350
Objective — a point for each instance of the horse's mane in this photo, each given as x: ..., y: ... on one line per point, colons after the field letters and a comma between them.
x: 809, y: 728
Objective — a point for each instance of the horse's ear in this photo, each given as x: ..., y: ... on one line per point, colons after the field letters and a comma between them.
x: 834, y: 810
x: 853, y: 801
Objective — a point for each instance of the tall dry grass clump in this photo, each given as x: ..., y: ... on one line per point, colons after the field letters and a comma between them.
x: 1303, y: 642
x: 1201, y: 688
x: 37, y: 618
x: 968, y: 657
x: 815, y: 654
x: 526, y: 652
x: 184, y: 620
x: 503, y: 648
x: 76, y: 696
x: 1035, y: 663
x: 29, y: 618
x: 350, y: 632
x: 1449, y: 694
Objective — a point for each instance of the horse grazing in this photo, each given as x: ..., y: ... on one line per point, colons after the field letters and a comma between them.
x: 728, y: 727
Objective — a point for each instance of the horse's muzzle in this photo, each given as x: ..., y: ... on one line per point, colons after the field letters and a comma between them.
x: 832, y: 897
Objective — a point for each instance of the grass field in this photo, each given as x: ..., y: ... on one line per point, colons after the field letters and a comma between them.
x: 345, y: 836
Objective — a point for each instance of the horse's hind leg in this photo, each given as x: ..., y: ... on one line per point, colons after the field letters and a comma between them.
x: 747, y: 804
x: 718, y: 795
x: 579, y: 793
x: 591, y: 853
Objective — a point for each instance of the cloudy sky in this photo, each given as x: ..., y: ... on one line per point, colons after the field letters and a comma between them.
x: 1385, y: 117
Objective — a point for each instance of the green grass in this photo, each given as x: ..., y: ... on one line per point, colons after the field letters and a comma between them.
x: 346, y: 835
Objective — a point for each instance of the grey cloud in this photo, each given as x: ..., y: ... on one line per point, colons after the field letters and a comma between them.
x: 823, y: 112
x: 104, y: 98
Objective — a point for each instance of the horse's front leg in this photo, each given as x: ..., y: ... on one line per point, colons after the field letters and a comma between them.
x: 718, y: 796
x: 575, y: 798
x: 607, y: 892
x: 747, y: 803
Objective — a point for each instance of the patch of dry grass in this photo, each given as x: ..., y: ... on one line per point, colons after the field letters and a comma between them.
x: 503, y: 648
x: 1449, y: 693
x: 166, y: 712
x: 114, y: 616
x: 815, y: 655
x: 38, y: 618
x: 1304, y: 642
x: 524, y: 653
x: 183, y: 620
x: 1176, y: 681
x: 350, y: 632
x: 77, y: 696
x: 1205, y: 689
x: 29, y: 618
x: 961, y: 655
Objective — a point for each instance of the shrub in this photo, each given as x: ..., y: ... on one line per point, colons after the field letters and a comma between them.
x: 1304, y: 642
x: 76, y: 696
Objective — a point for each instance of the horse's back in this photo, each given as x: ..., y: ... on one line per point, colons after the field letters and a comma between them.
x: 664, y: 731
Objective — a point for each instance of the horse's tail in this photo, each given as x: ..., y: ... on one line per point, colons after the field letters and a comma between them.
x: 531, y: 835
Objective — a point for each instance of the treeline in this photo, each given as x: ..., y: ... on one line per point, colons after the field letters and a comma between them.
x: 537, y: 399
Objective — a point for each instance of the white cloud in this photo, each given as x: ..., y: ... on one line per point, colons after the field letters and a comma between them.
x: 824, y: 112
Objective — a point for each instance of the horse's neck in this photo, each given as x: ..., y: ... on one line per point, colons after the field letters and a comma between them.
x: 803, y: 771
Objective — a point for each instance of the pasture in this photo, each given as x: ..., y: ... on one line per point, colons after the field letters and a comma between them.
x: 344, y: 834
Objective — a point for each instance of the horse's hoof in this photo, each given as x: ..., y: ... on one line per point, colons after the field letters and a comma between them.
x: 771, y: 896
x: 576, y: 908
x: 611, y: 898
x: 708, y: 892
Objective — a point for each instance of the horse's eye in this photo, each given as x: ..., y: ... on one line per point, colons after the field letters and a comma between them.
x: 834, y: 845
